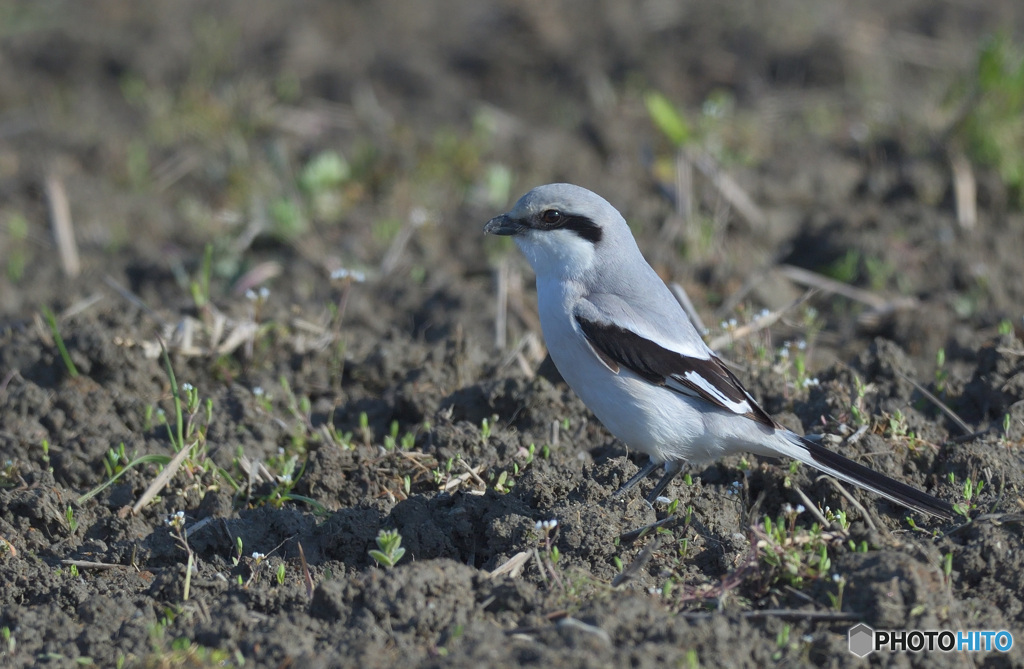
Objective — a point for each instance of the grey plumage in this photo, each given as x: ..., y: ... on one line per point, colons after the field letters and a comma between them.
x: 623, y: 343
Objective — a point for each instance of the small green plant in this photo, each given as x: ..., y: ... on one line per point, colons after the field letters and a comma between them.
x: 263, y: 399
x: 287, y: 472
x: 51, y: 320
x: 971, y: 490
x: 46, y: 455
x: 941, y: 374
x: 364, y: 429
x: 782, y: 641
x: 837, y: 599
x: 550, y: 556
x: 176, y: 522
x: 857, y: 410
x: 116, y: 461
x: 861, y: 547
x: 793, y: 555
x: 389, y: 548
x: 485, y: 431
x: 69, y: 515
x: 898, y: 425
x: 992, y: 131
x: 548, y: 528
x: 391, y: 439
x: 280, y: 574
x: 879, y: 272
x: 237, y: 557
x: 947, y: 567
x: 668, y: 119
x: 846, y: 268
x: 321, y: 180
x: 504, y: 482
x: 18, y: 251
x: 200, y: 287
x: 288, y: 218
x: 442, y: 474
x: 256, y: 562
x: 838, y: 517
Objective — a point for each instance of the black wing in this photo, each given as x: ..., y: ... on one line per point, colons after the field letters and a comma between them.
x: 705, y: 378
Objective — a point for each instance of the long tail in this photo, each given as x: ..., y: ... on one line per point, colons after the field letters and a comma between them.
x: 844, y: 469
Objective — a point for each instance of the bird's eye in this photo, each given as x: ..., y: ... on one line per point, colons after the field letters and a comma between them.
x: 551, y: 216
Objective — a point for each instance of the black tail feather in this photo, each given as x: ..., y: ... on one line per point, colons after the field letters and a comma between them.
x: 858, y: 474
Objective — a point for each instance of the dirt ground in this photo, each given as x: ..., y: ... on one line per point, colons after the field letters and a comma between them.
x: 289, y: 197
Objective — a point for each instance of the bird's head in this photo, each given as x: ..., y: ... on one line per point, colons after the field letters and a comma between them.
x: 562, y: 230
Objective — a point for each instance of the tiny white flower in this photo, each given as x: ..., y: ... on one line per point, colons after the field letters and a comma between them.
x: 800, y: 508
x: 250, y: 295
x: 187, y: 387
x: 787, y: 508
x: 258, y: 556
x: 539, y: 525
x: 258, y: 391
x: 418, y: 216
x: 344, y: 273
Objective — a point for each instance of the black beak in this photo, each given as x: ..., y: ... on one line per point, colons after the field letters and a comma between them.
x: 502, y: 225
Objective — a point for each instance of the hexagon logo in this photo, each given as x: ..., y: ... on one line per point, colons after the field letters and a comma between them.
x: 862, y: 640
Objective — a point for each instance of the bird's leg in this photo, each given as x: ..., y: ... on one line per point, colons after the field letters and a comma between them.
x: 644, y: 472
x: 671, y: 469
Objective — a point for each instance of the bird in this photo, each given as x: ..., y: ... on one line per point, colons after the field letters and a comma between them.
x: 623, y: 343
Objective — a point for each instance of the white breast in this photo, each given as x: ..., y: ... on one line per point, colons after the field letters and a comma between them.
x: 651, y: 419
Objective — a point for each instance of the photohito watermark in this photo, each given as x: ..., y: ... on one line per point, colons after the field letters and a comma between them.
x: 865, y: 640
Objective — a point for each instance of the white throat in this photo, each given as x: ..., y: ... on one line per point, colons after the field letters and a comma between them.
x: 557, y: 254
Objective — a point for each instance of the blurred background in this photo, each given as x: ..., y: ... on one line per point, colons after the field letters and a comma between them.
x: 879, y: 144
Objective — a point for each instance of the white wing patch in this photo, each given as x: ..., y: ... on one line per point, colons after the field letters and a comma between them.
x: 705, y: 378
x: 741, y: 407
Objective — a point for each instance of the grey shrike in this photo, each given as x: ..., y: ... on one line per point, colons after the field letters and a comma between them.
x: 625, y: 346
